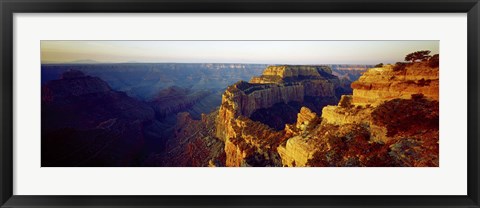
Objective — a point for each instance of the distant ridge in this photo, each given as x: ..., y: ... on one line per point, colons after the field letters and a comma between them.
x: 83, y: 61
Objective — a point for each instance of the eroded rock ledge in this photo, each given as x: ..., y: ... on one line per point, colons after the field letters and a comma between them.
x: 278, y: 84
x: 381, y: 84
x: 390, y: 120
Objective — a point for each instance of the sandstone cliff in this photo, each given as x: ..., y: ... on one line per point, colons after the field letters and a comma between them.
x: 391, y: 120
x: 252, y: 143
x: 381, y: 84
x: 298, y: 149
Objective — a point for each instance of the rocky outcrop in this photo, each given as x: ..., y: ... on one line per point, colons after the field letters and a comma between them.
x: 381, y: 84
x: 378, y: 85
x: 278, y: 84
x: 254, y: 144
x: 289, y: 73
x: 346, y: 114
x: 387, y: 122
x: 297, y: 149
x: 296, y: 152
x: 306, y: 119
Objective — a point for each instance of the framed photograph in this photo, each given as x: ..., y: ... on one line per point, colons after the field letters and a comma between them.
x: 268, y: 103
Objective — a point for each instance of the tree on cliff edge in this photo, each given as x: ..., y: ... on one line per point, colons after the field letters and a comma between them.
x: 418, y: 55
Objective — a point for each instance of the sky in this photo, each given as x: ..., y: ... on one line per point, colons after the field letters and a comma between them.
x: 264, y: 52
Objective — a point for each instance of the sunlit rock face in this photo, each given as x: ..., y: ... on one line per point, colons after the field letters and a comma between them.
x: 381, y: 84
x: 297, y: 150
x: 278, y: 84
x: 390, y: 120
x: 346, y: 113
x: 288, y: 73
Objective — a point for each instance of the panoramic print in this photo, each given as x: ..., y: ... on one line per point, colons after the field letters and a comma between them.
x: 239, y: 103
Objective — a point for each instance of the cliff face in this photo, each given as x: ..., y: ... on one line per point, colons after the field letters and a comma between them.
x: 298, y: 149
x: 380, y: 84
x: 245, y: 97
x: 287, y: 73
x: 246, y: 146
x: 391, y: 120
x: 346, y: 114
x: 254, y: 144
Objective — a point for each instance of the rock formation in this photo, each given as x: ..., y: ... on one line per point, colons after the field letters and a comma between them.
x: 297, y: 150
x: 391, y: 120
x: 381, y: 84
x: 249, y: 142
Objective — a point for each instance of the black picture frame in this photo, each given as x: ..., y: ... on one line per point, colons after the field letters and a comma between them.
x: 9, y: 7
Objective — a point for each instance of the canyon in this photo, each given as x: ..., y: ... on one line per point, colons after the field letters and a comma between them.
x: 249, y: 142
x: 396, y: 126
x: 204, y: 115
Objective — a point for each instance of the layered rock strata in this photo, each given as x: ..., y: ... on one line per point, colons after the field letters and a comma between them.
x: 381, y: 84
x: 278, y: 84
x: 390, y: 120
x: 297, y: 150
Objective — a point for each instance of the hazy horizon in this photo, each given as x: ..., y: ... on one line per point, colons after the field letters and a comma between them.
x: 241, y: 52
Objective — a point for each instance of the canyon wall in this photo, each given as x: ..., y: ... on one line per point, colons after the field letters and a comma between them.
x: 385, y: 83
x: 246, y: 146
x: 390, y: 120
